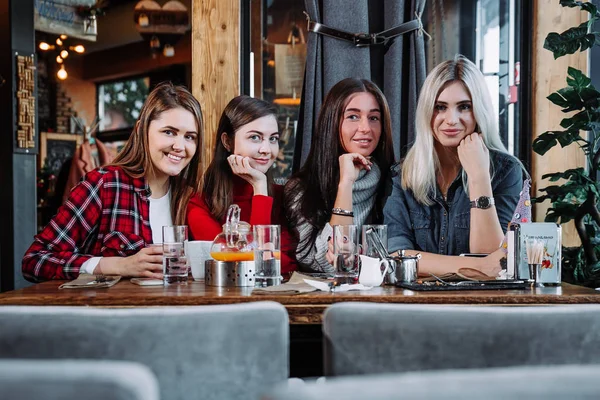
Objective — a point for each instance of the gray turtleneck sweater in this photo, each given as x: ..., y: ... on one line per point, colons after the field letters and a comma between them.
x: 363, y: 199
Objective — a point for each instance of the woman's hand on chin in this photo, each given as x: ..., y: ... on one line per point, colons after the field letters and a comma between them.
x: 240, y: 166
x: 350, y: 166
x: 474, y: 157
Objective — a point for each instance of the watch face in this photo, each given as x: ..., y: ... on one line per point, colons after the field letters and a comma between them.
x: 483, y: 202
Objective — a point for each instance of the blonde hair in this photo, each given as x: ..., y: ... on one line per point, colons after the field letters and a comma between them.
x: 421, y: 164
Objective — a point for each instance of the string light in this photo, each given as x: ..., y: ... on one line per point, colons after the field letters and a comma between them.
x: 62, y: 53
x: 62, y: 73
x: 45, y: 46
x: 79, y: 48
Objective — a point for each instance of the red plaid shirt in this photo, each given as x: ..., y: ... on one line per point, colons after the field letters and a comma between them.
x: 107, y: 214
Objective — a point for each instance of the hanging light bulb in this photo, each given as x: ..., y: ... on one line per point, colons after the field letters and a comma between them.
x: 45, y: 46
x: 59, y: 60
x: 79, y: 48
x: 154, y: 43
x: 168, y: 50
x: 62, y: 73
x: 59, y: 42
x: 143, y: 20
x: 64, y: 54
x: 63, y: 37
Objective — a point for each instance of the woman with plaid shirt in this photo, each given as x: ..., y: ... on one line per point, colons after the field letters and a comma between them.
x: 111, y: 216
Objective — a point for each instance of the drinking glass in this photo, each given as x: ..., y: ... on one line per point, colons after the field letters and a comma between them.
x: 345, y: 253
x: 381, y: 231
x: 267, y: 255
x: 175, y: 265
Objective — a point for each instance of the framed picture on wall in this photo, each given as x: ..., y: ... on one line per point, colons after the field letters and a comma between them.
x: 56, y: 148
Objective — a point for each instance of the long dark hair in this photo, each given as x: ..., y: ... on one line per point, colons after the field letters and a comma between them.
x: 135, y: 159
x: 217, y: 184
x: 314, y: 186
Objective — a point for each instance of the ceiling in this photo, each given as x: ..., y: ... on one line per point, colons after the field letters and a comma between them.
x: 117, y: 27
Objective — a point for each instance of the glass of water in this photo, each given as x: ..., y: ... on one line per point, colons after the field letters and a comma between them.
x: 345, y: 253
x: 267, y: 255
x: 175, y: 265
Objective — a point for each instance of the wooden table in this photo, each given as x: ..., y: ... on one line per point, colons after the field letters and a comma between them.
x: 303, y: 309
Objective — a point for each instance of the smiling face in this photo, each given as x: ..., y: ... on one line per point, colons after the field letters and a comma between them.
x: 360, y: 129
x: 258, y: 140
x: 172, y: 142
x: 453, y: 117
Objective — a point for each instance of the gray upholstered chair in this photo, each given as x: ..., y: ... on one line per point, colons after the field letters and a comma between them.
x: 547, y: 383
x: 367, y: 338
x: 75, y: 380
x: 205, y: 352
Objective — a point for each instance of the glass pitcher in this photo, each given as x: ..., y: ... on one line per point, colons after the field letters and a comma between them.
x: 236, y: 242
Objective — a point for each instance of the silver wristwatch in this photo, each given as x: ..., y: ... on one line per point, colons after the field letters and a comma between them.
x: 483, y: 202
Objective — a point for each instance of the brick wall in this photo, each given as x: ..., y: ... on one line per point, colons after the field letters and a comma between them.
x: 74, y: 97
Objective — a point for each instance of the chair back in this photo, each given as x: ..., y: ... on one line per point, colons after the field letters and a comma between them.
x: 203, y: 352
x: 76, y: 380
x: 539, y: 383
x: 367, y: 338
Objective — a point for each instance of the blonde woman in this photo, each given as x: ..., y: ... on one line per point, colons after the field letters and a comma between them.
x: 457, y: 188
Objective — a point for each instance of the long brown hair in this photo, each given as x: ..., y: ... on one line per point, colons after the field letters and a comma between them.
x: 135, y: 160
x: 314, y: 186
x: 217, y: 183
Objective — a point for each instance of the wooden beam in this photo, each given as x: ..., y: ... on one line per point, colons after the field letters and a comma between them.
x: 549, y: 75
x: 215, y: 62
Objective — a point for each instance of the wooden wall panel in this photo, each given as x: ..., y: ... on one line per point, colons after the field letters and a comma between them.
x: 215, y: 61
x: 549, y: 75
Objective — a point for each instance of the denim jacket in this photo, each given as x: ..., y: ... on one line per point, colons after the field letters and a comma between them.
x: 443, y: 227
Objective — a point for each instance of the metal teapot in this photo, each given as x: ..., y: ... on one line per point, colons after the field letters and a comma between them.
x: 403, y: 267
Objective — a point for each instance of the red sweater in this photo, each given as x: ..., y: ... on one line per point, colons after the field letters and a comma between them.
x: 256, y: 210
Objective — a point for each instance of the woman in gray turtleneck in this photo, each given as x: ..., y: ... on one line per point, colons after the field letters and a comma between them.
x: 342, y: 181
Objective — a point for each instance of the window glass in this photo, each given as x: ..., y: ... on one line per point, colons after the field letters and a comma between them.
x: 276, y: 60
x: 120, y: 102
x: 488, y: 33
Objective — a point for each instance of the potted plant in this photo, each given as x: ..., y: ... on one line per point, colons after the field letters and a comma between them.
x: 576, y: 198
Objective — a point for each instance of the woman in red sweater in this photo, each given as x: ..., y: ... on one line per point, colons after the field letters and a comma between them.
x: 246, y: 147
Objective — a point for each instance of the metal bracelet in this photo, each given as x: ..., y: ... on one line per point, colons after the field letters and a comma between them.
x: 342, y: 212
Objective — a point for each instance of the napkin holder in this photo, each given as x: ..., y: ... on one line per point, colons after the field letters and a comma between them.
x: 517, y: 264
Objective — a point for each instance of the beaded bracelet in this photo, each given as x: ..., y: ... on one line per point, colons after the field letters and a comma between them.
x: 342, y: 212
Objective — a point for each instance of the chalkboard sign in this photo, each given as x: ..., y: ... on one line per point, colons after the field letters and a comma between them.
x: 56, y: 148
x: 46, y: 96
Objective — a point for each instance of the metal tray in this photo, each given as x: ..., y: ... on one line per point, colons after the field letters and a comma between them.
x: 466, y: 285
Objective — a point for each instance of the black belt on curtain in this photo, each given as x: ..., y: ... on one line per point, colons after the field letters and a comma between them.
x: 384, y: 38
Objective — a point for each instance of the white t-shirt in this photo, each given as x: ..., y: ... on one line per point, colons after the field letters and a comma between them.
x: 160, y: 215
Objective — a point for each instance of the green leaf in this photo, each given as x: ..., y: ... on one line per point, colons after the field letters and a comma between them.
x: 587, y: 6
x: 577, y: 174
x: 577, y: 79
x: 548, y: 140
x: 551, y: 216
x: 557, y: 99
x: 544, y: 142
x: 571, y: 40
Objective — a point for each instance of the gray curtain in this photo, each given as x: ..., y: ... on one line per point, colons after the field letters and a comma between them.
x: 398, y: 70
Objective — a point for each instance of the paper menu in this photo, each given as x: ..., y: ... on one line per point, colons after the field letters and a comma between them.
x: 550, y: 234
